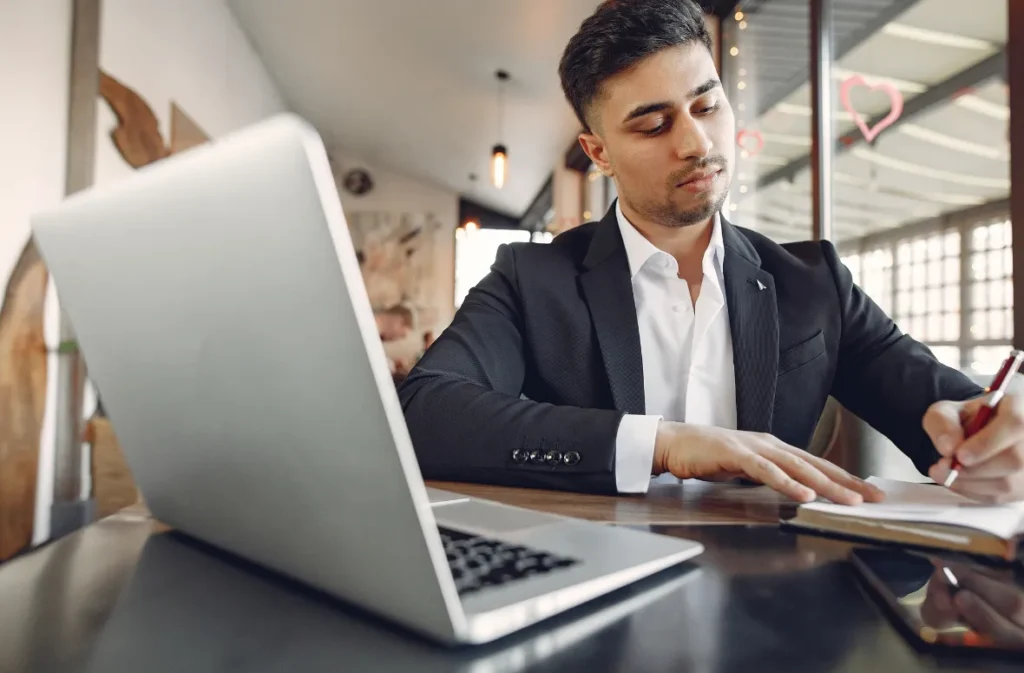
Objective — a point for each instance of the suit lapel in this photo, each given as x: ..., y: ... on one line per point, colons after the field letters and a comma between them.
x: 608, y: 291
x: 754, y: 321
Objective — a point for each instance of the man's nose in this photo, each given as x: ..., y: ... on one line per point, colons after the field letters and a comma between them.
x: 693, y: 142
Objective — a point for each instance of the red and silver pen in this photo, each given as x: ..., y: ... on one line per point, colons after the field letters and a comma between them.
x: 998, y: 389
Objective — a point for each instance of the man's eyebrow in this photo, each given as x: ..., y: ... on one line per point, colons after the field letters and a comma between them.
x: 648, y: 108
x: 703, y: 88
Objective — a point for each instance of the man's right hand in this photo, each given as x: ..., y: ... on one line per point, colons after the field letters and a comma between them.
x: 704, y: 452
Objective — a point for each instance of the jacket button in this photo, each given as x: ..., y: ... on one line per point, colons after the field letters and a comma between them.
x: 571, y: 457
x: 520, y: 456
x: 537, y: 457
x: 553, y: 457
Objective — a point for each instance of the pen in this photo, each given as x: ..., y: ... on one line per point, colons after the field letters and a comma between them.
x: 998, y: 388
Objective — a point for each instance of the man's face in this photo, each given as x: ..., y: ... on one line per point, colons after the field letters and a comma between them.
x: 664, y: 131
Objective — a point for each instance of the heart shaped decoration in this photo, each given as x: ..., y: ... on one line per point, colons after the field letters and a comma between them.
x: 895, y: 105
x: 750, y: 141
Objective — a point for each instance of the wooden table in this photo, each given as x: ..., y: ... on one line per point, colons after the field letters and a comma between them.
x: 122, y: 596
x: 692, y: 503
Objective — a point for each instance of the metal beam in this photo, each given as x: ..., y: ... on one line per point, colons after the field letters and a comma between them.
x: 993, y: 66
x: 841, y: 48
x: 821, y: 119
x: 1015, y: 73
x: 70, y: 509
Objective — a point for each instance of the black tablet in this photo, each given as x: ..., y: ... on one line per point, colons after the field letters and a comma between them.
x: 948, y: 603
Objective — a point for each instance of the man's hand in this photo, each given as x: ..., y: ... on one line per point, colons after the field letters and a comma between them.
x: 992, y: 461
x: 702, y: 452
x: 992, y: 607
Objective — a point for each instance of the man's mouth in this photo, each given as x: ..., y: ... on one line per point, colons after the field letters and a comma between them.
x: 701, y: 181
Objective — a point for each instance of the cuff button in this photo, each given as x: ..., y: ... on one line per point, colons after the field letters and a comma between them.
x: 520, y: 456
x: 571, y: 457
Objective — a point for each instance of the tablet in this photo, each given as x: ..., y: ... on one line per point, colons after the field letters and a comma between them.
x: 945, y: 602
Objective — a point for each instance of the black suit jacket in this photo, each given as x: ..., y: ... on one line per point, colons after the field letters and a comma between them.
x: 528, y: 384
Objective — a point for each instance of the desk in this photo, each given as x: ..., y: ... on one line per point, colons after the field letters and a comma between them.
x: 122, y: 596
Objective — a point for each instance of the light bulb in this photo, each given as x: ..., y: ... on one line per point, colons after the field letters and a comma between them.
x: 499, y: 165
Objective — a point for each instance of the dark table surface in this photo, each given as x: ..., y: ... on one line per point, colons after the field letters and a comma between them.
x: 120, y: 596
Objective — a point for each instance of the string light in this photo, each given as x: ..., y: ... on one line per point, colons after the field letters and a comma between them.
x: 735, y: 51
x: 743, y: 25
x: 739, y: 16
x: 741, y: 85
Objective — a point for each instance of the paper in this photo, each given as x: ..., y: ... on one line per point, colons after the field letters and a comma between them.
x: 928, y: 503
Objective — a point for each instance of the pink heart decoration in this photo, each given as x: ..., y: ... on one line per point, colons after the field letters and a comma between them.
x: 895, y: 103
x: 744, y: 139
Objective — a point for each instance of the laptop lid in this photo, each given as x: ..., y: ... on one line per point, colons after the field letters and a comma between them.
x: 219, y: 305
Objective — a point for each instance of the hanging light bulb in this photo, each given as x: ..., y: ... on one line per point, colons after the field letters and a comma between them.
x: 499, y: 153
x: 499, y: 165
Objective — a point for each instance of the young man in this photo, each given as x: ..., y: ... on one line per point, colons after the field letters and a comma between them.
x: 665, y: 339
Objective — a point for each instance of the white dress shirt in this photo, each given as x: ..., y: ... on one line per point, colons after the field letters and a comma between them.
x: 686, y: 349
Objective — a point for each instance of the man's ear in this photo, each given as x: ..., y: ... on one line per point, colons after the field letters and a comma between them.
x: 595, y: 148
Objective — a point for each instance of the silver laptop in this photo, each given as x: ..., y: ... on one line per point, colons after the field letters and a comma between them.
x: 220, y: 308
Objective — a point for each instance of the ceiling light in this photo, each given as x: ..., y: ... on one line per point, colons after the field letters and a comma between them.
x: 741, y: 85
x: 499, y: 153
x: 735, y: 51
x: 743, y: 25
x: 935, y: 37
x: 739, y: 16
x: 472, y: 226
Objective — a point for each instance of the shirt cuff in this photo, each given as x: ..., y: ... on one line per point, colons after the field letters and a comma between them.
x: 634, y: 452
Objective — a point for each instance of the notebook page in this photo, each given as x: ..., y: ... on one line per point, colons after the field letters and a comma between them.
x: 928, y: 503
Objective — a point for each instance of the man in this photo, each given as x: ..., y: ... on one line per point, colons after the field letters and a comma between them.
x: 665, y: 339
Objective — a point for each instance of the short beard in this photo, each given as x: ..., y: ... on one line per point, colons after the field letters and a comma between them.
x: 668, y: 215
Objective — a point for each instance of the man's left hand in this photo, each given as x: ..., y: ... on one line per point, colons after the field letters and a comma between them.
x: 992, y: 461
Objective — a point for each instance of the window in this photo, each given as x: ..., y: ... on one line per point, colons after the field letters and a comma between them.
x: 925, y: 291
x: 475, y: 250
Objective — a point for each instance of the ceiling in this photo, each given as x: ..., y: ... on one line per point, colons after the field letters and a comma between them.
x: 941, y: 157
x: 410, y: 85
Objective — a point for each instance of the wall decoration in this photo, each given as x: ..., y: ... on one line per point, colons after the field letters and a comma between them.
x: 22, y: 397
x: 397, y: 254
x: 750, y: 141
x: 895, y: 105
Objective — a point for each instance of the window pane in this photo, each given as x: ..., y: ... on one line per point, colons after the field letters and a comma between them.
x: 979, y: 325
x: 475, y: 250
x: 952, y: 298
x: 947, y: 355
x: 953, y: 244
x: 952, y: 329
x: 985, y: 360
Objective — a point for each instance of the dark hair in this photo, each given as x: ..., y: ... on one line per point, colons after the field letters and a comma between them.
x: 618, y: 35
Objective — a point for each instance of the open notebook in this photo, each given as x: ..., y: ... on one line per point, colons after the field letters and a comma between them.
x: 922, y: 514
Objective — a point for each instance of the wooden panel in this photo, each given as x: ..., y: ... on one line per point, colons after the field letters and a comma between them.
x: 22, y: 398
x: 692, y: 503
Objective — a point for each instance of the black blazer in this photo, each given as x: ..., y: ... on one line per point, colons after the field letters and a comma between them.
x: 526, y: 387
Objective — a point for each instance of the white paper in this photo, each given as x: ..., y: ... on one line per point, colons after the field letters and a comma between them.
x: 928, y: 503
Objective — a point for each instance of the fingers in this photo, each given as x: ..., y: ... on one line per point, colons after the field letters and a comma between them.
x: 984, y: 619
x: 869, y: 492
x: 937, y: 610
x: 1004, y: 597
x: 1004, y: 431
x: 1002, y: 489
x: 761, y: 469
x: 943, y: 424
x: 800, y: 469
x: 1007, y: 461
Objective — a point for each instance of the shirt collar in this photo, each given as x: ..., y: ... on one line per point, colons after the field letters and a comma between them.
x: 639, y: 250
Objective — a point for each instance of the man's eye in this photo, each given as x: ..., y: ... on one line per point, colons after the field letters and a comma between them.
x: 655, y: 130
x: 709, y: 109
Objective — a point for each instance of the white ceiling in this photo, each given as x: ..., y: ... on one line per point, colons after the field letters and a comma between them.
x: 410, y: 85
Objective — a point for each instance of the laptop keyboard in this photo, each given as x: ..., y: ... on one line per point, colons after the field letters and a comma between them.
x: 477, y: 562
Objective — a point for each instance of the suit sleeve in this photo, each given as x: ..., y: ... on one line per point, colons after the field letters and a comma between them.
x: 466, y: 416
x: 886, y: 377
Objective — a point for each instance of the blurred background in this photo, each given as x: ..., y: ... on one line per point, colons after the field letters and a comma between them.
x: 883, y: 125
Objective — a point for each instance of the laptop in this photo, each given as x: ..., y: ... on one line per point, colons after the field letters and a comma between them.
x: 219, y: 305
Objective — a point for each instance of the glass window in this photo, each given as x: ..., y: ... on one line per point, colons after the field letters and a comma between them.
x: 475, y: 250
